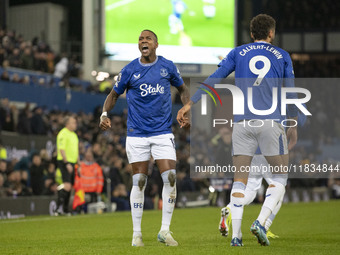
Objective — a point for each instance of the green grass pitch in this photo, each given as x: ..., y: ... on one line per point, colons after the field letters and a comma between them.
x: 304, y: 228
x: 130, y: 17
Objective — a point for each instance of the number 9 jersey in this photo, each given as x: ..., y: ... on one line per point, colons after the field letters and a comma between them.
x: 261, y: 67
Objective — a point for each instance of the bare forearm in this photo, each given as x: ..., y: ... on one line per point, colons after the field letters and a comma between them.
x: 110, y: 101
x: 184, y: 93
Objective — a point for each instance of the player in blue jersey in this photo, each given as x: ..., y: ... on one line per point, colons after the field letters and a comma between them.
x: 147, y: 82
x: 261, y: 68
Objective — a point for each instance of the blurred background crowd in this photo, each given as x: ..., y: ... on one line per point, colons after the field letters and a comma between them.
x: 32, y: 62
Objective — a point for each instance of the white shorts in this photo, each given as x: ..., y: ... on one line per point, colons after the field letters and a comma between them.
x: 140, y: 149
x: 269, y: 135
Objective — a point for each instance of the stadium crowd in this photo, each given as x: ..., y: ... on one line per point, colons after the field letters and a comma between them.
x: 24, y: 56
x: 39, y: 168
x: 36, y: 174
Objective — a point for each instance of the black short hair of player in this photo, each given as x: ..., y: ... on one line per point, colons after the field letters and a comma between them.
x: 260, y: 26
x: 152, y: 32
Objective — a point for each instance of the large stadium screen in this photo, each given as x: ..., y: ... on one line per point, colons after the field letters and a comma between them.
x: 189, y: 31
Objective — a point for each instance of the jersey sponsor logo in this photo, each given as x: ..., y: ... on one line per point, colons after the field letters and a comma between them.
x: 164, y: 72
x: 149, y: 89
x: 136, y: 76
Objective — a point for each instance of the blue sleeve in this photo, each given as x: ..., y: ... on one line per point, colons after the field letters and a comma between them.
x: 229, y: 62
x: 289, y: 82
x: 225, y: 67
x: 289, y: 71
x: 122, y: 81
x: 175, y: 77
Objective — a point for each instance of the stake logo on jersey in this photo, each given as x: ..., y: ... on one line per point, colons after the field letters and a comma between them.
x: 148, y: 96
x: 149, y: 90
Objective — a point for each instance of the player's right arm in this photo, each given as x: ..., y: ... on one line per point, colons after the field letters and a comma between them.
x: 111, y: 99
x: 109, y: 103
x: 226, y: 67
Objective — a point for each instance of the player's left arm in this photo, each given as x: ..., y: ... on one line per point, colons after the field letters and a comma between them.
x: 177, y: 81
x: 292, y: 134
x: 184, y: 121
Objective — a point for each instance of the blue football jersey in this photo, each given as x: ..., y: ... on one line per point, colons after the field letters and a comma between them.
x: 260, y: 66
x: 148, y: 95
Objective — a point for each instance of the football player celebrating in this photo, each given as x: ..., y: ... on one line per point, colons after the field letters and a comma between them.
x: 147, y: 82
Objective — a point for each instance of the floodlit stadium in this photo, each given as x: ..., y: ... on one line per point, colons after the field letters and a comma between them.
x: 169, y: 126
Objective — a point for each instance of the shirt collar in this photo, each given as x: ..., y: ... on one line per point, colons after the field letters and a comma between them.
x: 148, y: 64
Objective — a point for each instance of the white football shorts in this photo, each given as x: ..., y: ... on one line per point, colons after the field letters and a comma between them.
x: 140, y: 149
x: 269, y: 135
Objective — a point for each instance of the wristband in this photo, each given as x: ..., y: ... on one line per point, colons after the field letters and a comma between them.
x: 104, y: 114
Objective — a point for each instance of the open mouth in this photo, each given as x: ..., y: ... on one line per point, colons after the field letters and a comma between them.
x: 145, y: 49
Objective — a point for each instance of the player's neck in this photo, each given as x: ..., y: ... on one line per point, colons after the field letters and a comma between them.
x: 266, y: 41
x: 148, y: 59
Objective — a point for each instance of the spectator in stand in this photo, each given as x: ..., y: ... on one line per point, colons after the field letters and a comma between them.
x: 24, y: 120
x: 50, y: 183
x: 15, y: 59
x: 27, y: 60
x: 73, y: 67
x: 5, y: 76
x: 25, y: 80
x: 3, y: 151
x: 115, y: 174
x: 2, y: 188
x: 38, y: 125
x: 6, y: 116
x: 41, y: 57
x: 15, y: 186
x: 91, y: 177
x: 5, y: 65
x: 3, y: 168
x: 120, y: 197
x: 37, y: 175
x: 15, y: 78
x: 61, y: 68
x: 2, y: 54
x: 105, y: 86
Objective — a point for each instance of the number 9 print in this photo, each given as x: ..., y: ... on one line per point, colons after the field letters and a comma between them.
x: 260, y: 72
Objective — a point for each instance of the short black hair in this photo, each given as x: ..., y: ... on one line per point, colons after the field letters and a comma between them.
x: 260, y: 26
x: 152, y: 32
